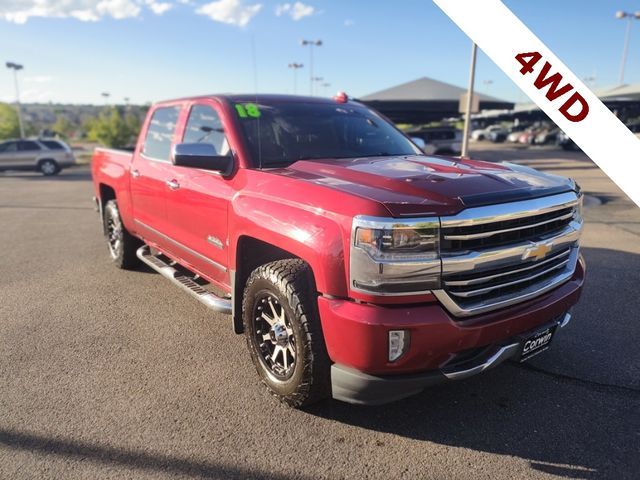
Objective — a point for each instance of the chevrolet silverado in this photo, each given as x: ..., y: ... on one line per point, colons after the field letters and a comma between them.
x: 356, y: 266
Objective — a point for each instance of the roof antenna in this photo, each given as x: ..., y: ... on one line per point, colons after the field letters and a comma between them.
x: 255, y: 87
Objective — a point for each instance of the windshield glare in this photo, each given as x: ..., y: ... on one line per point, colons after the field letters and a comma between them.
x: 283, y: 133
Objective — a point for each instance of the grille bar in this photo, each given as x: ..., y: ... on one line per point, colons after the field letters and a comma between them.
x: 487, y: 278
x: 475, y: 236
x: 527, y: 279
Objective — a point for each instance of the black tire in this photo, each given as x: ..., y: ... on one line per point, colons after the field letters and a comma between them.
x: 122, y: 245
x: 289, y: 286
x: 48, y: 167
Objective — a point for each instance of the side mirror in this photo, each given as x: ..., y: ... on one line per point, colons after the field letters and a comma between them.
x: 419, y: 143
x: 201, y: 155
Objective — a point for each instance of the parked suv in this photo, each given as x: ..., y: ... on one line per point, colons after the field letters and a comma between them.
x: 47, y: 156
x: 439, y: 140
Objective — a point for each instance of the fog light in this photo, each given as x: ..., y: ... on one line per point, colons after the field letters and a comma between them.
x: 398, y: 343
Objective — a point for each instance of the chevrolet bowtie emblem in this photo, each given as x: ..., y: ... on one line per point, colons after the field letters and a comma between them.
x: 537, y: 251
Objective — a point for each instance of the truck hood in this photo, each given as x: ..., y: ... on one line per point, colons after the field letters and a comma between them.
x: 423, y: 185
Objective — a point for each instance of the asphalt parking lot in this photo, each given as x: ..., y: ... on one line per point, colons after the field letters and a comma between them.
x: 112, y: 374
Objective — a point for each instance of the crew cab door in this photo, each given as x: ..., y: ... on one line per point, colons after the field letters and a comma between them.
x: 150, y: 172
x: 197, y: 206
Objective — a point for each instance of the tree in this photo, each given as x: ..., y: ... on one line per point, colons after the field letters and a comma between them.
x: 63, y: 126
x: 9, y: 126
x: 112, y: 130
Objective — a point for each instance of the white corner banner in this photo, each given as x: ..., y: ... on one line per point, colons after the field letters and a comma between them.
x: 552, y: 86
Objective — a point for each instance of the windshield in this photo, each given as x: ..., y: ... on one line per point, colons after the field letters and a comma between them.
x: 279, y: 134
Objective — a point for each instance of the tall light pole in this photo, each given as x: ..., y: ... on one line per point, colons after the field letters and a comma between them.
x: 325, y: 85
x: 295, y: 66
x: 318, y: 80
x: 467, y: 113
x: 311, y: 44
x: 487, y: 84
x: 15, y: 67
x: 106, y: 96
x: 629, y: 16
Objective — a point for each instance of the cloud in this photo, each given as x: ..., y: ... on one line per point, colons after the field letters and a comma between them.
x: 19, y: 11
x: 296, y: 11
x: 159, y: 7
x: 232, y: 12
x: 349, y: 23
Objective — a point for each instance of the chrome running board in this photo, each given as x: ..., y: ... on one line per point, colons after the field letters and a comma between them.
x: 214, y: 302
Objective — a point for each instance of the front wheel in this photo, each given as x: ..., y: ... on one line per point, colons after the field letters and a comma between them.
x: 283, y: 332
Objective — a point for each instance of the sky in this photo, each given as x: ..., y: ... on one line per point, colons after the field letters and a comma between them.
x: 151, y: 50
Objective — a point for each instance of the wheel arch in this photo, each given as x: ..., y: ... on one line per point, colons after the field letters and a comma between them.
x: 251, y: 252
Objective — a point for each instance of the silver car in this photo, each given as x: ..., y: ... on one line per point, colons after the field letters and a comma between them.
x: 47, y: 156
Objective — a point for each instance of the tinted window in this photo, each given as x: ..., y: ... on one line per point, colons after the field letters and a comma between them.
x: 8, y: 147
x: 52, y: 144
x: 204, y: 126
x: 25, y: 146
x: 157, y: 144
x: 282, y: 133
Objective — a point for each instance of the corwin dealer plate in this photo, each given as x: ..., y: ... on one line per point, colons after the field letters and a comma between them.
x: 536, y: 343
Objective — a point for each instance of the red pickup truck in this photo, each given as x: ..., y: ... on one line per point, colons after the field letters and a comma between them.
x: 356, y: 266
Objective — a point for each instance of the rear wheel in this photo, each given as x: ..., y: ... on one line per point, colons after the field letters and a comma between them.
x: 283, y: 332
x: 122, y: 245
x: 48, y: 167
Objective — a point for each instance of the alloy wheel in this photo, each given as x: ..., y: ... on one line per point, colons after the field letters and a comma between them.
x: 274, y: 336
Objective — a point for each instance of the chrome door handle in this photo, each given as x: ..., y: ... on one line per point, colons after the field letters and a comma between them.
x: 135, y: 173
x: 172, y: 184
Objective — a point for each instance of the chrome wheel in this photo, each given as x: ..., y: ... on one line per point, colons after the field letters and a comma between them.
x: 114, y: 234
x: 274, y: 336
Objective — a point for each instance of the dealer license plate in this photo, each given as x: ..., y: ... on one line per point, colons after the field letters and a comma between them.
x: 536, y: 343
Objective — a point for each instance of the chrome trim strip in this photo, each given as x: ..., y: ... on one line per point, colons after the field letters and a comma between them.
x: 475, y: 281
x: 510, y: 211
x: 502, y: 354
x: 180, y: 245
x: 501, y: 302
x: 475, y: 236
x: 480, y: 291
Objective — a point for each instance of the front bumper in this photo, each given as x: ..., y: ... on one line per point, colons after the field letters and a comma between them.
x: 353, y: 386
x: 356, y: 335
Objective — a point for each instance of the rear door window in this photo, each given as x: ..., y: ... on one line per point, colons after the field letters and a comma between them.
x: 52, y: 145
x: 157, y: 143
x: 8, y: 147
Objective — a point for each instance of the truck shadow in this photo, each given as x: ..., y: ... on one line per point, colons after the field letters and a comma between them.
x: 573, y: 411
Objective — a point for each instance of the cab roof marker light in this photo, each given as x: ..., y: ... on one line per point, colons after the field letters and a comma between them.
x: 341, y: 97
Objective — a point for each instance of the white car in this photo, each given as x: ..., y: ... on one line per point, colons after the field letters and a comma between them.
x: 483, y: 133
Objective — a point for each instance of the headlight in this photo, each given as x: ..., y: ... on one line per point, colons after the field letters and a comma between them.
x: 392, y: 257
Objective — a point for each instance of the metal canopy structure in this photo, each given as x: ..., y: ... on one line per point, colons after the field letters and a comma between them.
x: 425, y: 100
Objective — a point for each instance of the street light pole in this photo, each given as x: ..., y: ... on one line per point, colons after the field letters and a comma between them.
x: 295, y: 66
x: 629, y: 16
x: 467, y: 114
x: 15, y: 67
x: 311, y: 44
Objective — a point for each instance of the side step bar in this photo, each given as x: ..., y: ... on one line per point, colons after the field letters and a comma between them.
x: 215, y: 303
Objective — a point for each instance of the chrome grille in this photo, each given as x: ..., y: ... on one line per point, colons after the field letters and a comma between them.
x: 506, y: 231
x: 504, y: 254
